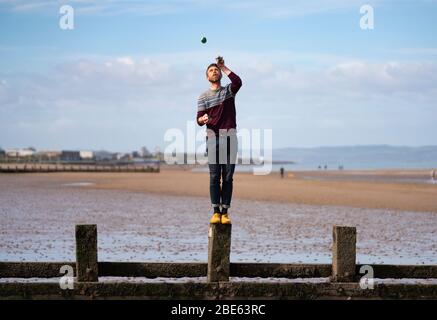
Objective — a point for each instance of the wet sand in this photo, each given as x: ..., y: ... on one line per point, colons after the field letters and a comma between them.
x: 360, y: 189
x: 38, y: 215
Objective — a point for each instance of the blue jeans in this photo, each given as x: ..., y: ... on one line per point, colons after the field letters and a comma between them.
x: 222, y: 155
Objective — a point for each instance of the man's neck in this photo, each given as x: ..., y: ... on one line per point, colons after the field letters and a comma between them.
x: 215, y: 86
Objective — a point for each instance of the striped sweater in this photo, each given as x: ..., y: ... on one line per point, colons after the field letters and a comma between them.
x: 220, y: 105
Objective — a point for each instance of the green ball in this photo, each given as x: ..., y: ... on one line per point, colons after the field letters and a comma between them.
x: 203, y: 40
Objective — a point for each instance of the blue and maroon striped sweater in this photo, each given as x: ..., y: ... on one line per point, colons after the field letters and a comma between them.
x: 220, y: 105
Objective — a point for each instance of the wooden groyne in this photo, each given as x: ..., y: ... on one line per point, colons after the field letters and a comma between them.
x: 344, y: 276
x: 37, y: 168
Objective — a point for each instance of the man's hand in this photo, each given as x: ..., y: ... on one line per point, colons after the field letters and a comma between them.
x: 220, y: 61
x: 203, y: 119
x: 221, y: 64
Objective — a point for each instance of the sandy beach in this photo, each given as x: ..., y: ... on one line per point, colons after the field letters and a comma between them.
x: 377, y: 189
x: 39, y: 212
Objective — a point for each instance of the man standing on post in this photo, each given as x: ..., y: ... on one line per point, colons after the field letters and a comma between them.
x: 216, y: 109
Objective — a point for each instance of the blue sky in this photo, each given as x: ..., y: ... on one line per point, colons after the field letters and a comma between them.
x: 130, y: 70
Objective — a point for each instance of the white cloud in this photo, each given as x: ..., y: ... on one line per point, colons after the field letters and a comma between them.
x: 141, y: 96
x: 417, y: 51
x: 126, y: 61
x: 385, y: 78
x: 156, y: 76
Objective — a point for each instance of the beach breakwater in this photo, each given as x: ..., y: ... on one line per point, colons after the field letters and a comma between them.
x: 345, y: 276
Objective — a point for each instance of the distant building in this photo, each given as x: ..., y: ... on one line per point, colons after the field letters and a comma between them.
x: 12, y: 153
x: 26, y: 152
x: 68, y: 155
x: 104, y: 155
x: 86, y: 155
x: 135, y: 154
x: 145, y: 153
x: 52, y: 155
x: 122, y: 156
x: 2, y: 152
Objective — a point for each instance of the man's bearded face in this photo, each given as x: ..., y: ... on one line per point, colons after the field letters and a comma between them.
x: 214, y: 75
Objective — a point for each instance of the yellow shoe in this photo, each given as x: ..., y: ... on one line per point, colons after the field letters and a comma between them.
x: 216, y: 218
x: 226, y: 219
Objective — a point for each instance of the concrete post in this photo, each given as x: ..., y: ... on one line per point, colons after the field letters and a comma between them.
x: 343, y: 253
x: 219, y: 250
x: 86, y: 253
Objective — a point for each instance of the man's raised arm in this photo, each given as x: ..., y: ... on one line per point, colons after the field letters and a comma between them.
x: 236, y: 82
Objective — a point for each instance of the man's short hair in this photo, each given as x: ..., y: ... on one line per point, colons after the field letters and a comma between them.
x: 212, y: 65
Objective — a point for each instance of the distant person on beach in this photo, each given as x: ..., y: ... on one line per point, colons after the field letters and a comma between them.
x: 433, y: 175
x: 216, y: 109
x: 282, y: 172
